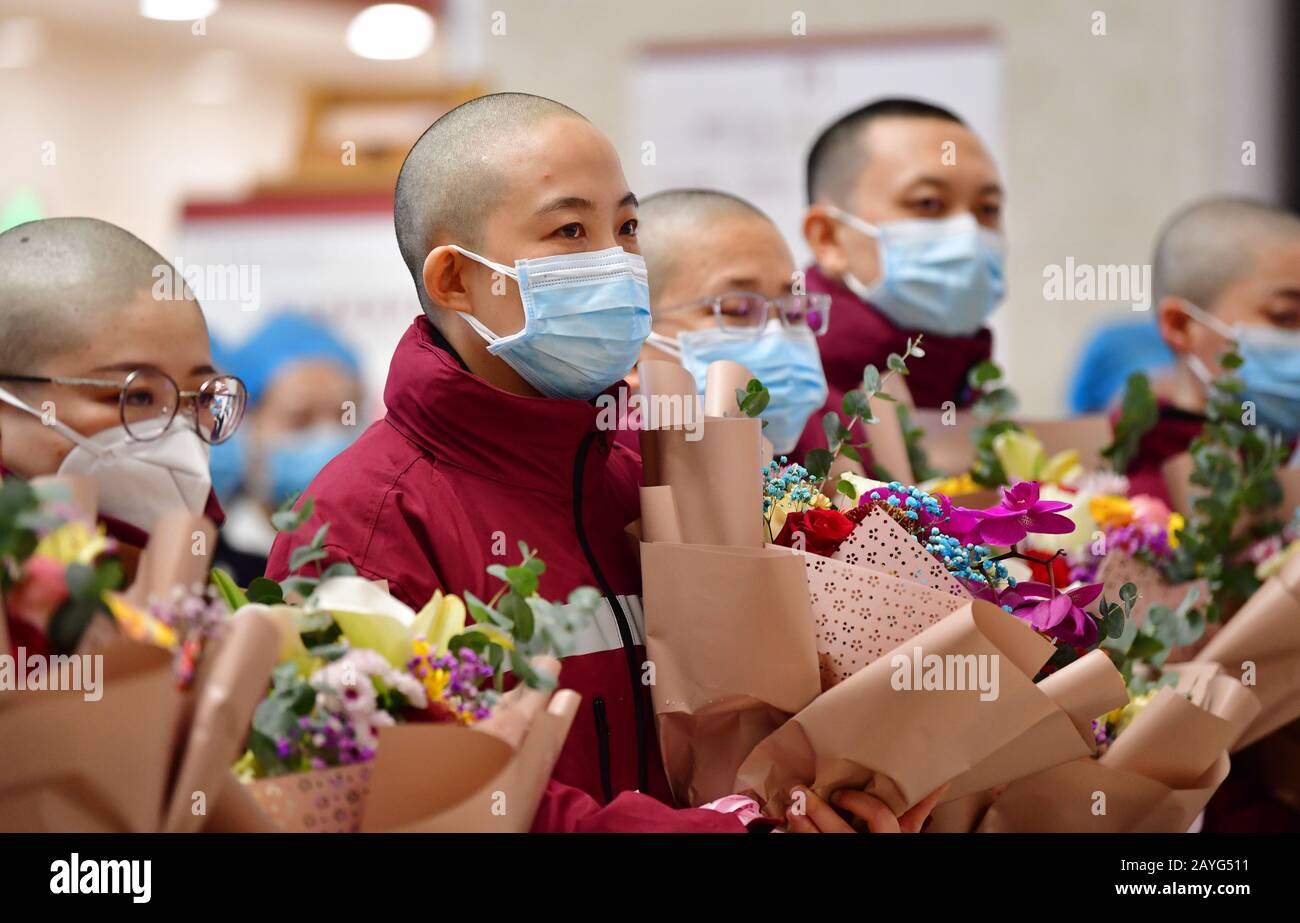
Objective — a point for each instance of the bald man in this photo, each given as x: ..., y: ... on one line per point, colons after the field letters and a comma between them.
x: 519, y: 230
x: 99, y: 342
x: 904, y: 221
x: 1225, y: 271
x: 721, y: 280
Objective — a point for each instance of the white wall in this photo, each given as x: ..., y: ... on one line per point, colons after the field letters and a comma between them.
x: 1104, y: 136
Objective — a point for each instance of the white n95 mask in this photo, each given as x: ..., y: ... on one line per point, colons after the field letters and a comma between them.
x: 138, y: 481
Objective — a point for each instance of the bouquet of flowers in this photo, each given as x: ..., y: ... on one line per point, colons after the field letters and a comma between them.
x: 56, y: 564
x: 371, y: 700
x: 140, y: 739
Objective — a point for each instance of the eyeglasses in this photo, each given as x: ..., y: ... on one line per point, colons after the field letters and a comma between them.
x: 750, y: 311
x: 149, y: 399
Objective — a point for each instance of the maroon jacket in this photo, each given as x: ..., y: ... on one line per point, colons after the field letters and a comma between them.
x: 455, y: 475
x: 859, y: 335
x: 1173, y: 433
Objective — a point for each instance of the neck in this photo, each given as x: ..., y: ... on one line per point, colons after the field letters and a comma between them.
x: 471, y: 352
x: 1182, y: 389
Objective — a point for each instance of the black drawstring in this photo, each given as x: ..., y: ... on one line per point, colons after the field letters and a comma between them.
x: 624, y: 631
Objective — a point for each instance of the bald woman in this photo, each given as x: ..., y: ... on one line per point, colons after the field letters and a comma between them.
x: 106, y: 372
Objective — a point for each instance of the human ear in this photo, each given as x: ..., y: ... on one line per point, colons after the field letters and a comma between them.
x: 819, y: 230
x: 445, y: 279
x: 1175, y: 324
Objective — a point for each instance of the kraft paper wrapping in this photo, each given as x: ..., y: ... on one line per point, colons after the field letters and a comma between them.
x: 435, y: 778
x: 237, y: 811
x: 178, y: 555
x: 72, y: 765
x: 859, y: 614
x: 730, y: 635
x: 722, y: 378
x: 1118, y: 569
x: 1263, y: 637
x: 1156, y: 777
x: 881, y: 544
x: 716, y: 479
x: 902, y: 743
x: 232, y: 678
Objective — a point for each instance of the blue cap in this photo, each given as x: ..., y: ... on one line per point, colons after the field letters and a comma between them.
x: 286, y: 338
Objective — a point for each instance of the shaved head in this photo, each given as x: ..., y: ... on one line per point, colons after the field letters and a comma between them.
x: 449, y: 184
x: 1209, y: 244
x: 666, y: 222
x: 61, y: 279
x: 840, y: 151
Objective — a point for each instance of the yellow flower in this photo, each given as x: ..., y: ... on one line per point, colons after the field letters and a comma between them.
x: 954, y: 487
x: 1122, y: 717
x: 1111, y: 510
x: 1176, y: 525
x: 139, y: 625
x: 74, y: 543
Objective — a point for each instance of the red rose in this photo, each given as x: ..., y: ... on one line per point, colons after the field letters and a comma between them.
x: 823, y: 530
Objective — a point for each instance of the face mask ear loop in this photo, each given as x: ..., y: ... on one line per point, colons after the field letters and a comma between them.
x: 853, y: 221
x: 63, y: 430
x: 475, y: 324
x: 1206, y: 319
x: 666, y: 345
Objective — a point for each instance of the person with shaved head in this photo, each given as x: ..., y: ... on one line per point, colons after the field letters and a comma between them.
x: 520, y: 233
x: 1226, y: 272
x: 106, y: 372
x: 904, y: 221
x: 722, y: 285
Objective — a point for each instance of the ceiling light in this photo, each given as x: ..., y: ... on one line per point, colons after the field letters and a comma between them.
x: 390, y: 32
x: 189, y: 10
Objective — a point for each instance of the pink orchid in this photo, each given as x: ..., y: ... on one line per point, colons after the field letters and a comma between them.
x: 1020, y: 513
x: 1060, y: 615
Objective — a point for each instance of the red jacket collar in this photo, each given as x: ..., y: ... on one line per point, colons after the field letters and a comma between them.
x: 461, y: 420
x: 860, y: 334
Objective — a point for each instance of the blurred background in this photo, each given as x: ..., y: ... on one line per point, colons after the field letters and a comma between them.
x: 259, y: 139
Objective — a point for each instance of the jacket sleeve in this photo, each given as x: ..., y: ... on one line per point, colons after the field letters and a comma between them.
x: 569, y: 810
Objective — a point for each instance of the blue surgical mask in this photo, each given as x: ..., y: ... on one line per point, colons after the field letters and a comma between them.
x: 292, y: 461
x: 229, y: 466
x: 586, y: 316
x: 942, y: 276
x: 1270, y: 369
x: 784, y: 359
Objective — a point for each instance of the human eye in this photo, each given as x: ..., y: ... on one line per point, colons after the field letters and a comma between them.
x: 572, y: 231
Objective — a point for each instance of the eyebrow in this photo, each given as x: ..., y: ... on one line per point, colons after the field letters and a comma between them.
x: 578, y: 203
x: 943, y: 183
x: 129, y: 367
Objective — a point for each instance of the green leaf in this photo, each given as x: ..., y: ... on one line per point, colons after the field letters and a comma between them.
x: 305, y: 554
x: 982, y: 374
x: 818, y: 462
x: 847, y: 489
x: 227, y: 589
x: 265, y: 591
x: 871, y: 379
x: 857, y: 406
x: 287, y: 519
x: 896, y: 364
x: 831, y: 426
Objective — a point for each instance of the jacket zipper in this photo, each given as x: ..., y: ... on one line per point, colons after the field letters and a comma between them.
x: 602, y: 747
x: 620, y: 617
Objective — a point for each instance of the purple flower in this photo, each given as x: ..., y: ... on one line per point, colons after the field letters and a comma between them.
x: 1019, y: 513
x: 1060, y: 616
